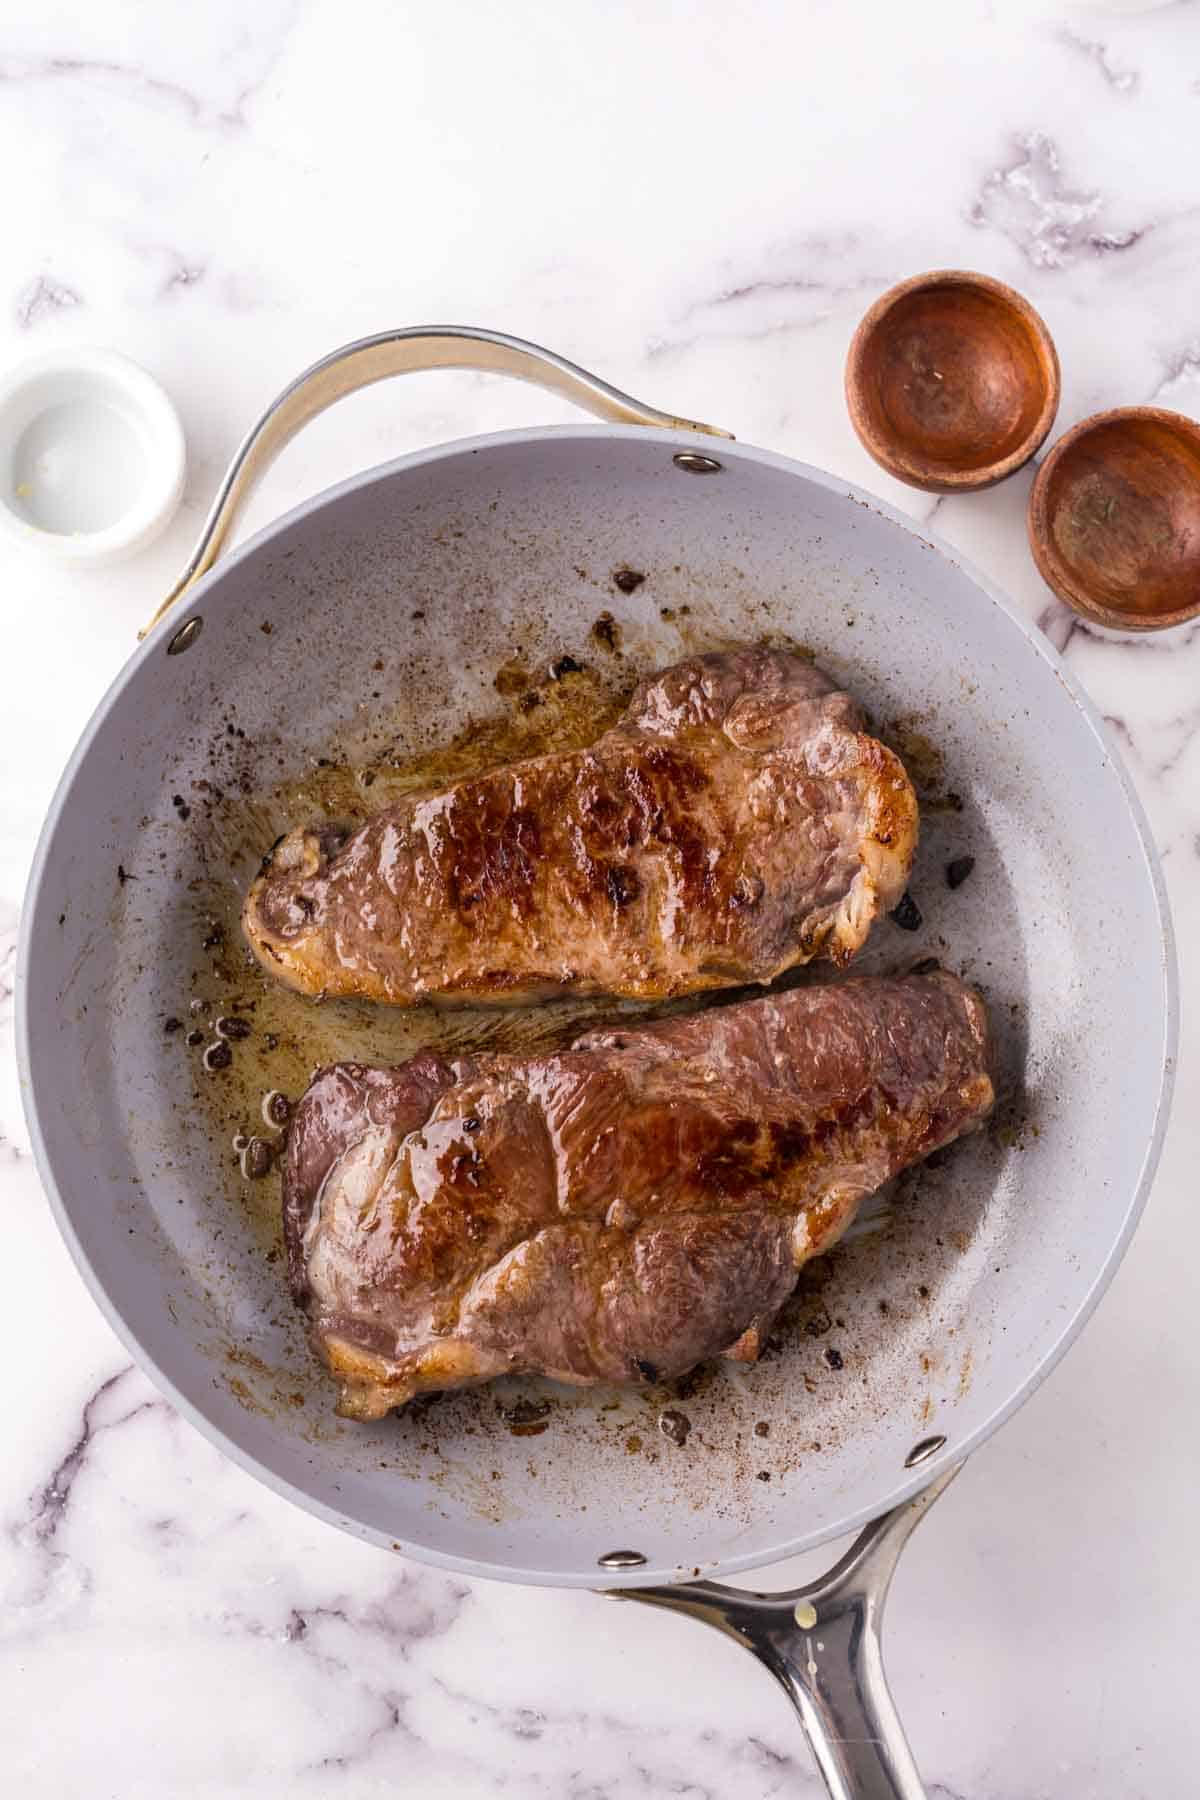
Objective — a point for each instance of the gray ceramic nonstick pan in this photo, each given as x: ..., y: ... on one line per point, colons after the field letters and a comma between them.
x: 404, y: 625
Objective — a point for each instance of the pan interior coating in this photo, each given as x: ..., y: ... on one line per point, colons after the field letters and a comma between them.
x: 424, y: 606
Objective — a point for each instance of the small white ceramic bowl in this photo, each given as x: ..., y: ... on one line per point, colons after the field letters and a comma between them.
x: 92, y: 456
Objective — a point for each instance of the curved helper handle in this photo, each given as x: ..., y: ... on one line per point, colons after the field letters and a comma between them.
x: 373, y: 359
x: 822, y: 1643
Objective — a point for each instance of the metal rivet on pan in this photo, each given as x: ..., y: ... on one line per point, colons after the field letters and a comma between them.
x: 186, y: 636
x: 693, y: 464
x: 621, y: 1559
x: 923, y: 1451
x: 805, y: 1614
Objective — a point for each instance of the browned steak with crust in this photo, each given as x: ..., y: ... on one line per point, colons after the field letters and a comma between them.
x: 736, y: 821
x: 623, y: 1209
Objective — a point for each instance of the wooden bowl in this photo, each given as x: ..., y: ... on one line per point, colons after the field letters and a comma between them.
x: 1114, y: 518
x: 952, y: 381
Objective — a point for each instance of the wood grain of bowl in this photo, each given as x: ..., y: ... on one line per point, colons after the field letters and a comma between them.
x: 1114, y: 518
x: 952, y: 381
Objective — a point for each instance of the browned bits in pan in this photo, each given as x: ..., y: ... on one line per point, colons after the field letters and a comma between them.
x: 217, y: 1056
x: 257, y: 1158
x: 511, y: 678
x: 419, y: 1406
x: 907, y: 915
x: 688, y: 1385
x: 526, y: 1418
x: 628, y: 580
x: 607, y: 633
x: 233, y: 1027
x: 675, y: 1425
x: 958, y: 870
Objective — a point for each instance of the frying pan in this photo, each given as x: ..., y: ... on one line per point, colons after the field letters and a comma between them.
x: 421, y: 604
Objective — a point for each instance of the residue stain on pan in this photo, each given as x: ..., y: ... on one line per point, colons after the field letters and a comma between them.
x: 741, y: 1427
x: 923, y: 759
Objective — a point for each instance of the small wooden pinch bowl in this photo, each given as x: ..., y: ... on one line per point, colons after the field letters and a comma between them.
x: 952, y: 381
x: 1114, y: 519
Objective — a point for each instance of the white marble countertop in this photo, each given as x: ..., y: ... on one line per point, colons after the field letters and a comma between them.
x: 697, y: 202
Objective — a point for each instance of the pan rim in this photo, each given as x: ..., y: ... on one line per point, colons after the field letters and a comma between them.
x: 906, y: 1486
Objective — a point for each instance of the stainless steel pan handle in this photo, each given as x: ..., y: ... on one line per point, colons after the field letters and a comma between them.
x: 373, y: 359
x: 822, y: 1644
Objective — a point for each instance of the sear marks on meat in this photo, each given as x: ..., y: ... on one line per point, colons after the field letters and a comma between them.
x: 736, y: 821
x: 621, y: 1210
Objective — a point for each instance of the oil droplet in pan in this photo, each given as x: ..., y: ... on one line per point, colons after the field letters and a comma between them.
x: 276, y: 1108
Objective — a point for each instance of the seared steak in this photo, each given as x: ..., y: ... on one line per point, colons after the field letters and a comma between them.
x: 736, y: 821
x: 621, y: 1210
